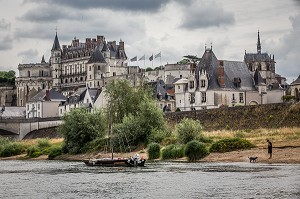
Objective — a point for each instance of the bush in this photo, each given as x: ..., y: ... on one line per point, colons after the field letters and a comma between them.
x: 54, y: 151
x: 173, y: 151
x: 153, y: 151
x: 80, y: 127
x: 43, y: 142
x: 33, y: 151
x: 11, y: 149
x: 188, y: 130
x: 158, y: 135
x: 231, y: 144
x: 195, y: 150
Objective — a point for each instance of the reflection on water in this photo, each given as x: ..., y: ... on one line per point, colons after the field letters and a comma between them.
x: 57, y: 179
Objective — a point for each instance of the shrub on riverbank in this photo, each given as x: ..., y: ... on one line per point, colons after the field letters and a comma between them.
x: 231, y: 144
x: 188, y: 130
x: 54, y: 151
x: 195, y: 150
x: 11, y: 148
x: 153, y: 151
x: 172, y: 151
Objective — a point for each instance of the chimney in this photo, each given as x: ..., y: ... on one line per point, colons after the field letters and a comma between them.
x: 220, y: 71
x: 100, y: 38
x: 121, y: 45
x: 47, y: 97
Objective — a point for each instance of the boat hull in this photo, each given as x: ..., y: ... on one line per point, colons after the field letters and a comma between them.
x: 114, y: 162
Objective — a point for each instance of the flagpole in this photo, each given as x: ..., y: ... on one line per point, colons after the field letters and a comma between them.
x: 160, y: 57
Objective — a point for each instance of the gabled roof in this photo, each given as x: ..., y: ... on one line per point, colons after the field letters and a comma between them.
x: 94, y: 93
x: 52, y: 95
x: 96, y: 57
x: 56, y: 45
x: 297, y: 81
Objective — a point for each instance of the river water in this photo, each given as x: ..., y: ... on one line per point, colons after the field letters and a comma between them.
x: 59, y: 179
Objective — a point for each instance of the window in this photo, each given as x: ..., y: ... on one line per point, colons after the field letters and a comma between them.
x: 180, y: 76
x: 192, y: 85
x: 241, y: 95
x: 192, y: 98
x: 38, y: 106
x: 98, y: 67
x: 90, y: 76
x: 203, y: 97
x: 233, y: 98
x: 202, y: 83
x: 27, y: 107
x: 114, y: 73
x: 28, y: 73
x: 90, y: 68
x: 178, y: 87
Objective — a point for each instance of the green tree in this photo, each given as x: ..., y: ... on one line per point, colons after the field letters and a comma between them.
x: 188, y: 130
x: 80, y: 127
x: 137, y: 129
x: 124, y: 99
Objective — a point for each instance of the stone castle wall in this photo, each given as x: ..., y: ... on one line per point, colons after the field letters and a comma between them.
x: 243, y: 117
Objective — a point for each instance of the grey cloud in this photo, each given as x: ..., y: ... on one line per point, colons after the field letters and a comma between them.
x: 126, y: 5
x: 4, y: 25
x: 204, y: 14
x: 47, y: 14
x: 5, y: 43
x: 36, y: 32
x: 287, y: 50
x: 29, y: 56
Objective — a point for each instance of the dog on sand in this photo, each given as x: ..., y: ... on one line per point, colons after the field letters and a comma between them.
x: 252, y: 159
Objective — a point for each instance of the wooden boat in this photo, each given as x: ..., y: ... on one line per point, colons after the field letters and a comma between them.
x: 134, y: 161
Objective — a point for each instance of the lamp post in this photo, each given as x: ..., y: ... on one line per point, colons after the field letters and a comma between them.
x: 261, y: 97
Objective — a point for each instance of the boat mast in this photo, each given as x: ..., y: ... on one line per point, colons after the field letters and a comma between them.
x: 110, y: 131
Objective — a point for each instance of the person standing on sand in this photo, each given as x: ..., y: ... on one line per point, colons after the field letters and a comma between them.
x: 269, y: 148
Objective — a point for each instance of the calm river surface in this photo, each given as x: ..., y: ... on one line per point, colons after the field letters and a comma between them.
x: 58, y: 179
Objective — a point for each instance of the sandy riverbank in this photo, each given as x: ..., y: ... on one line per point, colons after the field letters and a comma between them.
x: 288, y: 155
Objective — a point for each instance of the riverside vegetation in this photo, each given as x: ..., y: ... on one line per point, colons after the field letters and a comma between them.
x: 137, y: 123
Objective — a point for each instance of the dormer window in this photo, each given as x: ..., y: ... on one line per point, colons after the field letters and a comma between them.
x: 202, y: 83
x: 192, y: 85
x: 237, y: 82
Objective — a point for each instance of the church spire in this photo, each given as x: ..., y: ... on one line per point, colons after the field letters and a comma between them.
x: 56, y: 45
x: 258, y: 43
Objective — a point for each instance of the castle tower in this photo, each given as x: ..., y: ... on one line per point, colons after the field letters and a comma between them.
x: 55, y: 61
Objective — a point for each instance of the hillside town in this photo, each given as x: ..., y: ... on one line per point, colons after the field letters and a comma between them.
x: 76, y: 76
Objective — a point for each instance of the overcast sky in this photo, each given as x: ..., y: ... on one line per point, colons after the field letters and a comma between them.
x: 173, y: 27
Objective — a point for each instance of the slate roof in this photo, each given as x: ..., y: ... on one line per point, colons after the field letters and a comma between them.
x: 96, y: 57
x: 232, y: 70
x: 297, y: 81
x: 236, y: 69
x: 94, y: 93
x: 56, y: 45
x: 76, y: 97
x: 258, y: 80
x: 53, y: 96
x: 257, y: 57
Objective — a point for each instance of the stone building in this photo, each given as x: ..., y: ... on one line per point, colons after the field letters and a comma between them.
x: 215, y: 83
x: 295, y: 89
x: 89, y: 64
